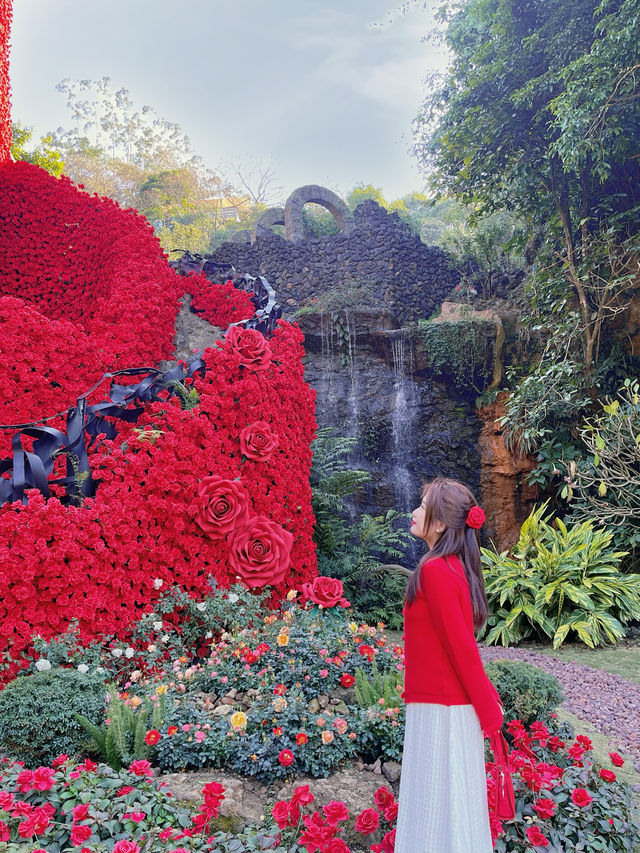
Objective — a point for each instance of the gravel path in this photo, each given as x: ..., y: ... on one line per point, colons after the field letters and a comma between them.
x: 607, y: 701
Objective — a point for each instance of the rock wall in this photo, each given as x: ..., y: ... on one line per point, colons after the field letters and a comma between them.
x: 408, y: 278
x: 506, y: 497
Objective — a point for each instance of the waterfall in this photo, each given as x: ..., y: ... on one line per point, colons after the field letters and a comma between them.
x: 403, y: 421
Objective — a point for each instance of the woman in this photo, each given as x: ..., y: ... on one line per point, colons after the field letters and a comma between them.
x: 450, y: 701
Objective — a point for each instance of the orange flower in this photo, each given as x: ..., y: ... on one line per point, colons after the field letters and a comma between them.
x: 320, y: 722
x: 172, y: 730
x: 327, y: 737
x: 301, y: 738
x: 282, y: 639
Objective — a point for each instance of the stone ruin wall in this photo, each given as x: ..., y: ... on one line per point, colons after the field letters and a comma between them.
x: 409, y: 278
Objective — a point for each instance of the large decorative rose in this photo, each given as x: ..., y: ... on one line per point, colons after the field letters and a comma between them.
x: 260, y: 552
x: 325, y: 591
x: 258, y: 441
x: 367, y: 822
x: 223, y: 506
x: 251, y: 347
x: 476, y: 517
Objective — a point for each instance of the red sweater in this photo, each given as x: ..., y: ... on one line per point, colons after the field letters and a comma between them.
x: 442, y: 661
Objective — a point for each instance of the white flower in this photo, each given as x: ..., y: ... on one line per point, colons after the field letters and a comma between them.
x: 232, y: 598
x: 157, y: 626
x: 135, y: 675
x: 151, y: 648
x: 208, y: 635
x: 164, y: 638
x: 157, y: 583
x: 201, y: 606
x: 82, y: 667
x: 117, y: 653
x: 43, y: 665
x: 129, y: 652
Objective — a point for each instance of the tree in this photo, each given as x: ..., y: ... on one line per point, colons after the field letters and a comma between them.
x: 44, y: 154
x: 539, y: 114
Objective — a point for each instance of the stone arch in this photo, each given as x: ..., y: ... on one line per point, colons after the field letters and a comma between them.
x: 314, y: 194
x: 272, y: 216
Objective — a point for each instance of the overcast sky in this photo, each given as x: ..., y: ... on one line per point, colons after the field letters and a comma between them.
x: 309, y: 86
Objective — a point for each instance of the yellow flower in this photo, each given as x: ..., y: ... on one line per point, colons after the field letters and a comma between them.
x: 282, y: 639
x: 135, y: 701
x: 279, y: 704
x: 238, y: 720
x: 287, y: 616
x: 327, y: 737
x: 162, y: 688
x: 353, y: 627
x: 292, y: 594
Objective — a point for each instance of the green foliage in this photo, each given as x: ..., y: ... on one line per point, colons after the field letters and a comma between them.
x: 378, y: 688
x: 123, y: 739
x: 44, y: 155
x: 526, y: 691
x: 604, y: 485
x: 559, y: 581
x: 484, y: 244
x: 538, y: 115
x: 331, y: 482
x: 380, y: 733
x: 37, y: 714
x: 376, y: 593
x: 459, y: 351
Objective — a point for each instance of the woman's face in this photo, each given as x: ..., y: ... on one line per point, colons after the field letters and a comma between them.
x: 435, y: 531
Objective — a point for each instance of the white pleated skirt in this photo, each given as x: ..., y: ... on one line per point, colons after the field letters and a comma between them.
x: 443, y: 790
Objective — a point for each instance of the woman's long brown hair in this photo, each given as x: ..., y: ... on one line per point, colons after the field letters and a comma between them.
x: 449, y: 502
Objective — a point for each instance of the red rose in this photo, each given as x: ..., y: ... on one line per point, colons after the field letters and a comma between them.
x: 301, y: 738
x: 80, y: 812
x: 536, y: 838
x: 325, y: 591
x: 152, y: 737
x: 580, y: 797
x: 80, y: 834
x: 335, y: 812
x: 286, y: 758
x: 383, y: 798
x: 544, y: 807
x: 476, y: 517
x: 391, y: 812
x: 172, y: 730
x: 125, y: 847
x: 280, y: 813
x: 347, y: 680
x: 260, y: 552
x: 336, y: 845
x: 607, y: 775
x: 258, y: 441
x: 366, y: 651
x: 616, y: 759
x: 389, y: 841
x: 302, y: 795
x: 251, y: 347
x: 223, y: 506
x: 368, y: 821
x: 140, y: 768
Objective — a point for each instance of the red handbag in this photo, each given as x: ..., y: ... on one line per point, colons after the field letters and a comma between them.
x: 505, y: 800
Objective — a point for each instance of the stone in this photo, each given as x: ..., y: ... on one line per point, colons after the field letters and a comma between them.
x: 222, y: 710
x: 313, y: 706
x: 391, y: 771
x: 323, y: 700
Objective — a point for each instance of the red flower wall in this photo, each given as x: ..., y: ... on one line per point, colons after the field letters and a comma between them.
x: 5, y: 108
x: 85, y: 288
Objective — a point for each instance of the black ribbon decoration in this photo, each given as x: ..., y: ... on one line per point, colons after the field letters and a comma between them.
x: 31, y: 469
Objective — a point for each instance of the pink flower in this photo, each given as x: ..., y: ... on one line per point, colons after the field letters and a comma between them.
x: 367, y: 822
x: 140, y: 768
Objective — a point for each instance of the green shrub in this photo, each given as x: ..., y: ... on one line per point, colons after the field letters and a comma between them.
x: 37, y: 714
x: 527, y: 692
x: 124, y: 739
x: 604, y: 486
x: 559, y: 581
x: 380, y: 733
x: 370, y: 689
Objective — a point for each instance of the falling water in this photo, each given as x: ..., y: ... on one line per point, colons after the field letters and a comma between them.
x: 402, y: 421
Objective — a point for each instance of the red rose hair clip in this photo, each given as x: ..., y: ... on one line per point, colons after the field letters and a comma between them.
x: 476, y: 517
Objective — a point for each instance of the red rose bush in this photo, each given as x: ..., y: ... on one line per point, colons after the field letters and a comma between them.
x: 564, y: 801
